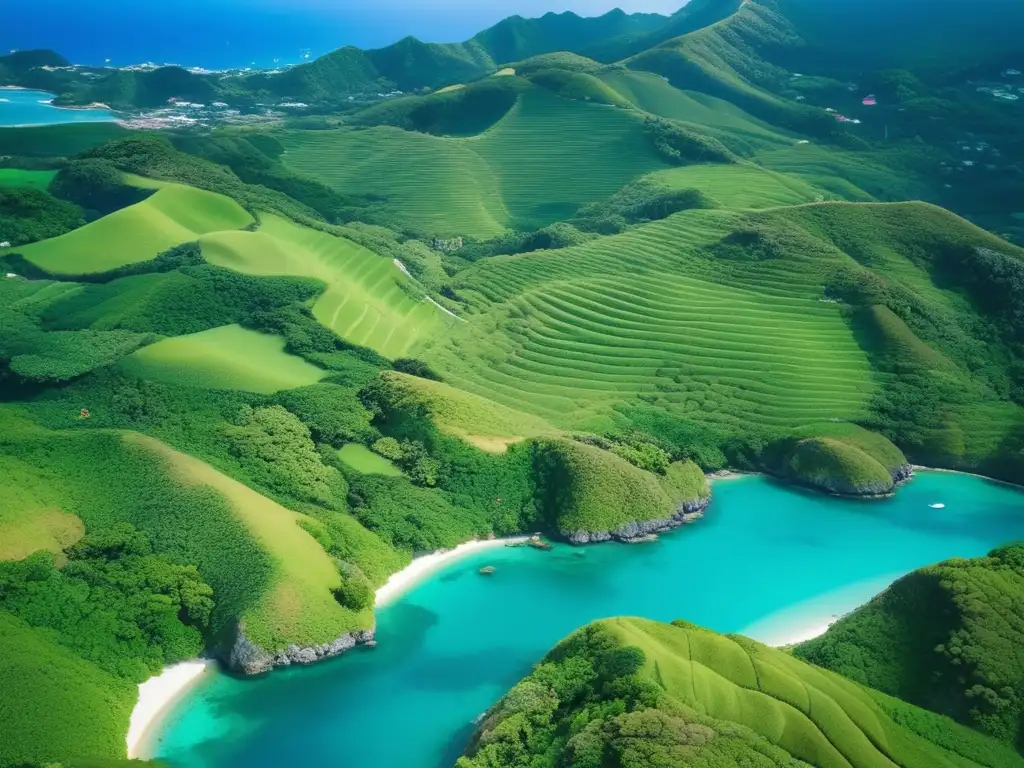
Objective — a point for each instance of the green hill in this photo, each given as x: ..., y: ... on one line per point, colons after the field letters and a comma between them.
x: 945, y: 638
x: 173, y: 215
x: 368, y: 301
x: 675, y: 316
x: 625, y: 693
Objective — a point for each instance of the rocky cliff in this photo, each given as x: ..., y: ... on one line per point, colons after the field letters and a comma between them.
x: 244, y: 657
x: 638, y: 530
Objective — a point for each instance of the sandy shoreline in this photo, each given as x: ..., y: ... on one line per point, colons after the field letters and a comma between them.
x: 804, y: 634
x: 919, y: 468
x: 157, y: 696
x: 423, y: 566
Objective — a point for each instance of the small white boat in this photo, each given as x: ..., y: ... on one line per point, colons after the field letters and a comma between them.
x: 937, y: 506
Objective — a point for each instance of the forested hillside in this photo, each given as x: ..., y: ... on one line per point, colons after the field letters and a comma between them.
x: 632, y: 693
x: 249, y: 372
x: 946, y: 638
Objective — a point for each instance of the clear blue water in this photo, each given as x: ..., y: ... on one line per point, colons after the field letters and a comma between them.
x: 262, y: 33
x: 766, y: 559
x: 32, y: 108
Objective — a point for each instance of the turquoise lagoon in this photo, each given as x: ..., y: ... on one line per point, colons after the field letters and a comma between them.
x: 767, y: 559
x: 22, y: 108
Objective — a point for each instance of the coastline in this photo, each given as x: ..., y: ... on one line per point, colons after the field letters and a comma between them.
x: 423, y: 566
x: 1007, y: 483
x: 157, y: 696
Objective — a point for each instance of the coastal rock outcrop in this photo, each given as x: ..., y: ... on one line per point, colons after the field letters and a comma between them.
x: 244, y: 657
x: 903, y: 474
x: 638, y: 530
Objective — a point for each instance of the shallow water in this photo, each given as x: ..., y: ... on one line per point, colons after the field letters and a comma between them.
x: 19, y: 108
x: 766, y: 559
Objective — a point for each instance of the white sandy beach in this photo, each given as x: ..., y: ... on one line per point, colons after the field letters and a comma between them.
x: 159, y: 694
x: 422, y: 567
x: 156, y: 697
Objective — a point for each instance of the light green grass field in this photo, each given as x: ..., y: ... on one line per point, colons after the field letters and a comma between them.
x: 173, y: 215
x: 366, y: 462
x: 572, y: 335
x: 16, y: 177
x: 31, y: 517
x: 229, y: 357
x: 484, y: 423
x: 552, y: 155
x: 542, y: 161
x: 434, y: 184
x: 653, y: 93
x: 364, y: 302
x: 299, y: 607
x: 741, y: 186
x: 849, y: 175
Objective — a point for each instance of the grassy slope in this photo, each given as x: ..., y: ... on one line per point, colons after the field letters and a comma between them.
x: 56, y: 706
x: 484, y: 423
x: 571, y: 335
x: 653, y: 93
x: 628, y: 692
x: 521, y: 172
x: 593, y: 491
x: 300, y: 607
x: 174, y: 214
x: 537, y: 149
x: 741, y: 186
x: 16, y: 177
x: 229, y: 357
x: 364, y: 302
x: 677, y: 316
x: 814, y: 715
x: 430, y: 183
x: 946, y: 637
x: 264, y: 568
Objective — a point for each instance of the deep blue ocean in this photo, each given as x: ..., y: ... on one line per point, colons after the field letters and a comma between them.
x: 220, y: 33
x: 240, y: 33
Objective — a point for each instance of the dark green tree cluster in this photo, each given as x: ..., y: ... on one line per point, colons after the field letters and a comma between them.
x: 681, y: 145
x: 947, y: 637
x: 28, y: 215
x: 275, y: 450
x: 115, y: 603
x: 96, y: 186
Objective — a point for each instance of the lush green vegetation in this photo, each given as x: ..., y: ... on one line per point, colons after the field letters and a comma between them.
x: 838, y: 458
x: 28, y: 214
x: 173, y: 215
x: 84, y: 709
x: 590, y: 491
x: 229, y: 357
x: 662, y: 254
x: 632, y: 693
x: 946, y: 638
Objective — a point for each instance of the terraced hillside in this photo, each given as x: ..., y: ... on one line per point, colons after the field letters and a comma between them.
x: 432, y: 183
x: 574, y: 334
x: 524, y: 172
x: 742, y: 186
x: 368, y: 300
x: 638, y: 692
x: 172, y: 215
